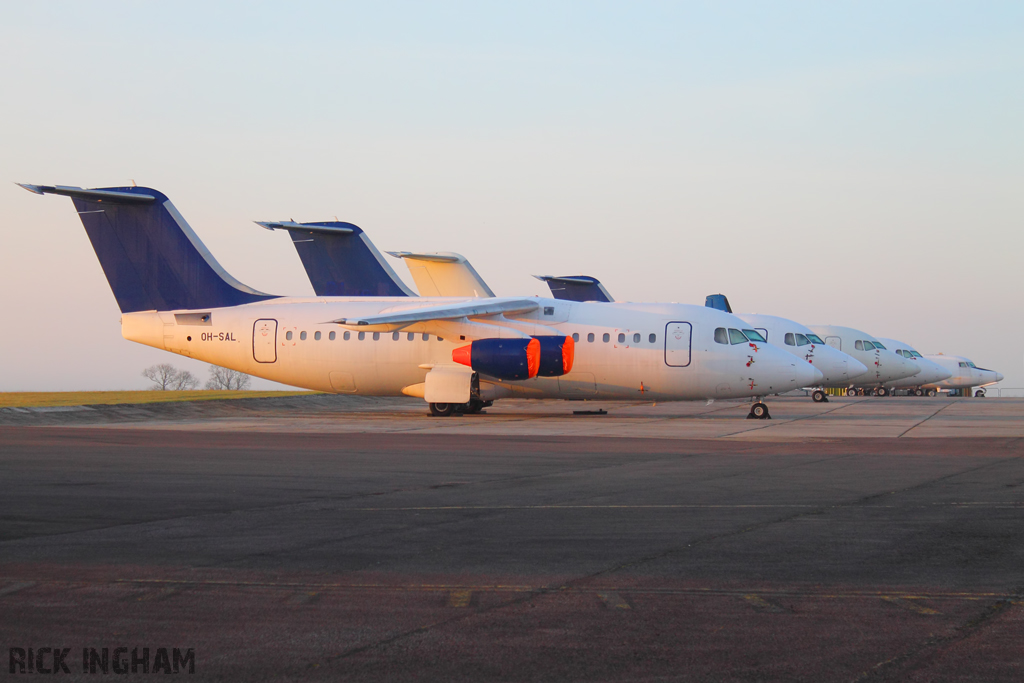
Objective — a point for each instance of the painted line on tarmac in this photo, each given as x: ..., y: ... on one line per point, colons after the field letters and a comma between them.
x: 921, y: 422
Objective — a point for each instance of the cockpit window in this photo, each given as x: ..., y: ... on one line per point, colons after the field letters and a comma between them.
x: 878, y: 345
x: 754, y: 335
x: 971, y: 364
x: 790, y: 339
x: 859, y: 345
x: 721, y: 336
x: 915, y: 354
x: 801, y: 340
x: 815, y: 339
x: 964, y: 365
x: 736, y: 337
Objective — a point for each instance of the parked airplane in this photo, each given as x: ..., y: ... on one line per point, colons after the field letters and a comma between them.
x: 964, y: 375
x: 931, y: 372
x: 883, y: 365
x: 453, y: 352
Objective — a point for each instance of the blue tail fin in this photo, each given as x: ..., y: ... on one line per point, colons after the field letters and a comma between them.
x: 151, y: 257
x: 340, y: 260
x: 718, y: 301
x: 576, y: 288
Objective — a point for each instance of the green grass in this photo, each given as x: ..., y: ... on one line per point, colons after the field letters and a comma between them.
x: 47, y: 399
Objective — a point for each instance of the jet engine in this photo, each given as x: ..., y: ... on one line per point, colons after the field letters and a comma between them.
x: 556, y: 355
x: 511, y: 359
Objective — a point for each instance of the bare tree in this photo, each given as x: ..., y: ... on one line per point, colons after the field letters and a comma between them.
x: 162, y: 376
x: 166, y: 377
x: 185, y: 381
x: 225, y: 378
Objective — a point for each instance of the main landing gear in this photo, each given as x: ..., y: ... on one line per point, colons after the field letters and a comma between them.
x: 448, y: 409
x: 819, y: 396
x: 759, y: 411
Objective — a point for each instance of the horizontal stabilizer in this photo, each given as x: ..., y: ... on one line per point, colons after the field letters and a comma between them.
x: 111, y: 196
x: 576, y: 288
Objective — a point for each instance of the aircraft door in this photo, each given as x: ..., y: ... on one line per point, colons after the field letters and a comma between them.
x: 677, y: 344
x: 835, y: 342
x: 264, y: 341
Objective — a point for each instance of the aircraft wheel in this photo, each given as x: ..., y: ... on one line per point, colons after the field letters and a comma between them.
x: 442, y: 409
x: 932, y: 392
x: 882, y: 391
x: 851, y: 392
x: 474, y: 407
x: 980, y: 393
x: 819, y: 396
x: 919, y: 392
x: 759, y: 411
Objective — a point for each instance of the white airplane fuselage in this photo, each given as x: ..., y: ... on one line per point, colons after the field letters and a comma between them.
x: 839, y: 369
x: 931, y: 371
x: 964, y: 374
x: 883, y: 365
x: 288, y: 340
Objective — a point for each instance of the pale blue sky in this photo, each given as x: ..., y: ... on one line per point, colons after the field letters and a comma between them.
x: 781, y: 153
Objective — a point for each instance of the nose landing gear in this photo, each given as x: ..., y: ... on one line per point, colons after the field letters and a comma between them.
x: 819, y: 396
x: 759, y: 411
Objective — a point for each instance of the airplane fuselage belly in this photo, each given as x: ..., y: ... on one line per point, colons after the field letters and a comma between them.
x: 383, y: 363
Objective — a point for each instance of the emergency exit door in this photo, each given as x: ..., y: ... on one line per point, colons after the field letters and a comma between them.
x: 264, y: 341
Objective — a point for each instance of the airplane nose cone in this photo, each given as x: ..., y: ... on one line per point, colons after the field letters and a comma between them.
x: 854, y: 368
x: 807, y: 375
x: 999, y: 377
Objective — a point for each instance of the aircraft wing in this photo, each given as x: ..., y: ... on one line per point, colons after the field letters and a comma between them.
x: 470, y: 309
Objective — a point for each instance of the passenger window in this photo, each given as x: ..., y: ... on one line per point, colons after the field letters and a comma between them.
x: 801, y: 340
x: 332, y: 336
x: 754, y: 335
x: 347, y: 336
x: 636, y: 338
x: 410, y: 336
x: 790, y: 339
x: 622, y: 338
x: 652, y: 338
x: 288, y: 335
x: 575, y: 336
x: 376, y: 336
x: 606, y: 337
x: 859, y: 345
x: 736, y: 337
x: 590, y: 337
x: 394, y: 336
x: 721, y: 336
x: 426, y: 337
x: 302, y: 335
x: 362, y: 336
x: 316, y: 335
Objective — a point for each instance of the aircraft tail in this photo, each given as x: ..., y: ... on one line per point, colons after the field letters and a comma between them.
x: 152, y: 258
x: 576, y: 288
x: 340, y: 260
x: 718, y: 301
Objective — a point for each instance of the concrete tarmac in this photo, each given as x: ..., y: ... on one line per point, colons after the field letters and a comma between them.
x: 329, y: 539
